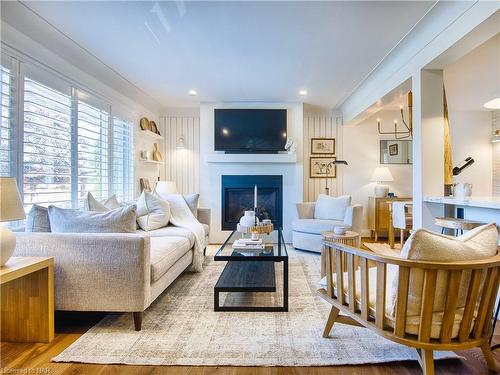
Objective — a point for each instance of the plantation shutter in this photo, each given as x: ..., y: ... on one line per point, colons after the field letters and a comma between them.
x: 46, y: 145
x: 6, y: 131
x: 123, y: 159
x: 93, y: 138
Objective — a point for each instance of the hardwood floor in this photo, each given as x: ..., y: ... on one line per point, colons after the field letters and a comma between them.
x: 27, y: 358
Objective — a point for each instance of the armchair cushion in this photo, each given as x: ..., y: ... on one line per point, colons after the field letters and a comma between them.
x: 314, y: 226
x: 412, y: 322
x: 479, y: 243
x: 331, y: 208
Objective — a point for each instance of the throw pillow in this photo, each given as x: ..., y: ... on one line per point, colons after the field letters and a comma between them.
x: 37, y: 219
x: 192, y: 202
x: 120, y: 220
x: 112, y: 203
x: 152, y: 211
x: 331, y: 208
x: 479, y: 243
x: 92, y: 204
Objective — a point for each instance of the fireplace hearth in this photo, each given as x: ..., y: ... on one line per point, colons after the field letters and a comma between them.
x: 238, y: 196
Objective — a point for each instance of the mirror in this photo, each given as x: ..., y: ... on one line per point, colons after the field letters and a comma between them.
x: 396, y: 151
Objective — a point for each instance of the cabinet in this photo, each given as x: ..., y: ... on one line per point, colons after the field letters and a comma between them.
x: 378, y: 214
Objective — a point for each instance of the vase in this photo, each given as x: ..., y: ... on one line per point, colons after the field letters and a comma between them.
x: 248, y: 219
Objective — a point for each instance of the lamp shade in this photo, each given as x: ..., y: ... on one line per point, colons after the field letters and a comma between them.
x: 166, y: 187
x: 382, y: 174
x: 11, y: 207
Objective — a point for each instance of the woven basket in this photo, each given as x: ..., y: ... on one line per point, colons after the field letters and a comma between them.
x: 262, y: 228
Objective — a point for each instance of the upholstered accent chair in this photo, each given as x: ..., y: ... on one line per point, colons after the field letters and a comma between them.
x: 323, y: 215
x: 441, y: 304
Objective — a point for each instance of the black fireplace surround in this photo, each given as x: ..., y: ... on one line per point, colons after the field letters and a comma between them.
x: 238, y: 196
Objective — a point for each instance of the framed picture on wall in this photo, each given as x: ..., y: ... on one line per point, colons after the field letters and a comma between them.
x: 322, y: 167
x: 393, y: 149
x: 323, y: 146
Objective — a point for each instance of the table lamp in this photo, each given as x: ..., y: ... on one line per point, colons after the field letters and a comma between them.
x: 380, y: 175
x: 11, y: 209
x: 166, y: 187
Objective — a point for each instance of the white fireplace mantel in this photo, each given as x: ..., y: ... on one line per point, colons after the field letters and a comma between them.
x: 250, y: 158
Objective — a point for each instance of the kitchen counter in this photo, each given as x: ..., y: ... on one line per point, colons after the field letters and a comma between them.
x: 480, y: 202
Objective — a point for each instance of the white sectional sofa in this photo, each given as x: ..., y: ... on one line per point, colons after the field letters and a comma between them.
x: 306, y: 230
x: 122, y: 272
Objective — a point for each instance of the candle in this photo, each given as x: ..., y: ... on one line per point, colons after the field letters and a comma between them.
x: 255, y: 197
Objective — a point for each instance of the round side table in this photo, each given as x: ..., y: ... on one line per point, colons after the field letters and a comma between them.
x: 349, y: 238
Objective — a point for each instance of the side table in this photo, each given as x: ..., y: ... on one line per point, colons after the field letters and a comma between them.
x: 27, y: 299
x: 349, y: 238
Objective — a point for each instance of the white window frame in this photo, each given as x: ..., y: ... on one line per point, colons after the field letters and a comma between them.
x: 22, y: 66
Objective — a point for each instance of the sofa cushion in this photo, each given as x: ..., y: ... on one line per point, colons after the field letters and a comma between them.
x: 152, y: 211
x: 37, y: 219
x: 165, y: 252
x: 206, y: 229
x: 121, y: 220
x: 171, y: 231
x: 192, y: 202
x: 314, y: 226
x: 331, y: 208
x: 92, y: 204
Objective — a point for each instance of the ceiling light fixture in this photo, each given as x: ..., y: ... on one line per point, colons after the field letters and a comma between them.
x: 193, y: 92
x: 407, y: 131
x: 303, y: 92
x: 492, y: 104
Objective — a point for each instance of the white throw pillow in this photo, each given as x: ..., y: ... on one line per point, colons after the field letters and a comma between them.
x: 112, y: 203
x: 192, y: 202
x: 121, y: 220
x: 37, y: 219
x: 92, y: 204
x: 331, y: 208
x: 479, y: 243
x: 152, y: 211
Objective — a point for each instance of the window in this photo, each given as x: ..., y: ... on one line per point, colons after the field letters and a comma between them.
x: 6, y: 123
x: 123, y: 159
x: 93, y: 125
x: 59, y: 141
x: 46, y: 145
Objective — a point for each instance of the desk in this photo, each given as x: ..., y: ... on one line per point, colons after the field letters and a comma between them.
x: 27, y: 299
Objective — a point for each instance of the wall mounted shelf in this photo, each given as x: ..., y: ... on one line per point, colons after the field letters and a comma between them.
x: 150, y: 134
x: 251, y: 158
x: 152, y: 161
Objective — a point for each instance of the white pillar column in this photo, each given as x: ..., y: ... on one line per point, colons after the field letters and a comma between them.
x: 428, y: 145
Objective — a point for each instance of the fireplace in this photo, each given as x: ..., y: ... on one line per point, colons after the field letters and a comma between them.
x: 238, y: 196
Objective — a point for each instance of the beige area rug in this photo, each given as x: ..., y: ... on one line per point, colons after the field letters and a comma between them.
x: 181, y: 328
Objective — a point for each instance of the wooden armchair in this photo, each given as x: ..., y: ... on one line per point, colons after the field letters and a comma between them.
x: 474, y: 283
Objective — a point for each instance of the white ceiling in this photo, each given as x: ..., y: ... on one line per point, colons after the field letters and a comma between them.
x: 475, y: 78
x: 232, y: 51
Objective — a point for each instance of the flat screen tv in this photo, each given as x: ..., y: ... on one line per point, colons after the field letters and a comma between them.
x: 250, y: 130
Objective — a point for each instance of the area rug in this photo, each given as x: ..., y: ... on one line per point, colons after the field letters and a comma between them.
x: 181, y: 328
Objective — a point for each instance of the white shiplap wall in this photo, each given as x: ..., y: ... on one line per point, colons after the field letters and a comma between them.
x: 496, y: 155
x: 182, y: 165
x: 321, y: 126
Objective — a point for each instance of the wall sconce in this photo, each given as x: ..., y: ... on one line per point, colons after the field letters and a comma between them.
x: 180, y: 142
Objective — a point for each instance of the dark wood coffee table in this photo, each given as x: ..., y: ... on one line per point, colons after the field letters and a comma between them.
x: 252, y: 271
